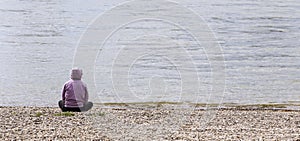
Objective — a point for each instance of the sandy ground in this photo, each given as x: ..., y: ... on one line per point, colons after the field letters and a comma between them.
x: 149, y: 123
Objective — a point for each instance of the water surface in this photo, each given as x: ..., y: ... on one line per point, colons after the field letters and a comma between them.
x: 260, y: 41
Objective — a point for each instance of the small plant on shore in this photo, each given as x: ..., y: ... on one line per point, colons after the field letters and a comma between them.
x: 38, y: 114
x: 101, y: 114
x: 66, y: 114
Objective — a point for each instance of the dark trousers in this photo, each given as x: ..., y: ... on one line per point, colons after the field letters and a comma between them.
x: 86, y: 107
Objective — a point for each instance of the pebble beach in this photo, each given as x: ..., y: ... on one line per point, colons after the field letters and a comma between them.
x: 125, y: 122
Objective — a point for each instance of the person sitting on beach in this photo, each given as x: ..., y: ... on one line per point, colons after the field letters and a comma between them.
x: 74, y: 94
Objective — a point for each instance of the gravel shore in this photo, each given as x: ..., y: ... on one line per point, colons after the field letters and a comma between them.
x: 149, y: 123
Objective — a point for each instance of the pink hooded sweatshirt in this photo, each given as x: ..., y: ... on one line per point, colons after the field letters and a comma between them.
x: 74, y: 92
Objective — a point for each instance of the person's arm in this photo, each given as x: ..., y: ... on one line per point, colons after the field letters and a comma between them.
x: 86, y: 97
x: 63, y: 94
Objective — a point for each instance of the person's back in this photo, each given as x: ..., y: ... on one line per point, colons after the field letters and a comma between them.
x: 75, y: 94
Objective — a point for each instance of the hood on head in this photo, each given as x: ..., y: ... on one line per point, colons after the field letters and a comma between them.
x: 76, y: 74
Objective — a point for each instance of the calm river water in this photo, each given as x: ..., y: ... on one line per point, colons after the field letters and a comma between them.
x: 260, y: 42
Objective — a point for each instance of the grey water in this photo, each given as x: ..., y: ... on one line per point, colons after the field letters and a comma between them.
x: 259, y: 40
